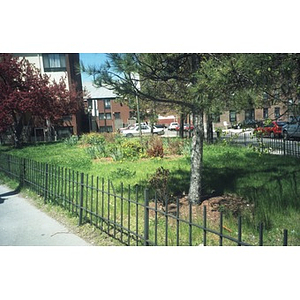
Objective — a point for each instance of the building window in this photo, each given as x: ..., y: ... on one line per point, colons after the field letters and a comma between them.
x: 277, y: 112
x: 54, y: 62
x: 103, y: 116
x: 265, y: 113
x: 249, y: 114
x: 105, y: 129
x: 107, y: 104
x: 232, y: 116
x: 117, y: 115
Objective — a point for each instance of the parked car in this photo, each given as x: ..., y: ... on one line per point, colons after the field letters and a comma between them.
x: 249, y: 124
x: 173, y: 126
x: 120, y: 130
x: 186, y: 127
x: 131, y: 126
x: 145, y: 129
x: 273, y: 129
x: 163, y: 126
x: 292, y: 129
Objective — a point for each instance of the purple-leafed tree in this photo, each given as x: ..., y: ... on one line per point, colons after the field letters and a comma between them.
x: 28, y: 97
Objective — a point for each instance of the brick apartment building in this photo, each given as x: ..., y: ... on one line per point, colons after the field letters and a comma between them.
x: 231, y: 117
x: 105, y: 113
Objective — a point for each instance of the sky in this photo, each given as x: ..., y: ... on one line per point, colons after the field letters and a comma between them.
x: 93, y: 59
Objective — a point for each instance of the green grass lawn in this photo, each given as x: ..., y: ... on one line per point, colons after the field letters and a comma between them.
x: 267, y: 181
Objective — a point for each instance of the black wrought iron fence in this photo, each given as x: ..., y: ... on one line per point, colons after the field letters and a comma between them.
x: 278, y: 146
x: 129, y: 214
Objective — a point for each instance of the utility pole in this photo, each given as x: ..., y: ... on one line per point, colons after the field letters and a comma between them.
x: 138, y: 115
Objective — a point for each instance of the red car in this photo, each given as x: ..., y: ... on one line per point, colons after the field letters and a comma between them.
x: 273, y: 129
x: 186, y: 127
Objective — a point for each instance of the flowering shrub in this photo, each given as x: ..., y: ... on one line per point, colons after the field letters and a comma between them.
x: 131, y: 149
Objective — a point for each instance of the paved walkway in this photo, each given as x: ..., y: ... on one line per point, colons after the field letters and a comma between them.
x: 22, y: 224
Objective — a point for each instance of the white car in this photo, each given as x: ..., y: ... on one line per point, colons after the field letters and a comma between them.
x: 173, y: 126
x: 145, y: 129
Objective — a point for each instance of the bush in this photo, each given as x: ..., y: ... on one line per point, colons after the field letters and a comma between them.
x: 159, y: 181
x: 174, y: 146
x: 131, y: 149
x: 93, y: 139
x: 155, y: 147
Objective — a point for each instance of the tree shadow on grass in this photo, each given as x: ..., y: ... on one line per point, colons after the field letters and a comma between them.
x: 243, y: 175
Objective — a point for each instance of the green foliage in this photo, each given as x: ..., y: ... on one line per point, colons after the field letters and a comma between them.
x: 93, y: 139
x: 96, y: 151
x: 71, y: 141
x: 131, y: 149
x: 117, y: 154
x: 123, y: 172
x: 159, y: 181
x: 173, y: 146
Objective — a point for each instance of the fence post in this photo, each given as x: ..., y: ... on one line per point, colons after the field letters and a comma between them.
x: 261, y: 228
x: 239, y: 230
x: 204, y: 225
x: 8, y: 165
x: 285, y: 237
x: 284, y: 147
x: 146, y: 218
x: 22, y: 172
x: 46, y: 183
x: 81, y: 199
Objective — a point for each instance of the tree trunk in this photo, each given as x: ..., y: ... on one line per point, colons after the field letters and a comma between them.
x: 209, y: 128
x: 181, y: 128
x: 17, y: 129
x: 196, y: 159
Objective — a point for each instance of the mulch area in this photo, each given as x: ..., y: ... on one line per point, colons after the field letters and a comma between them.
x: 214, y: 205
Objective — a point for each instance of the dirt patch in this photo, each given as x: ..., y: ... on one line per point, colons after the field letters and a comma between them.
x: 214, y: 206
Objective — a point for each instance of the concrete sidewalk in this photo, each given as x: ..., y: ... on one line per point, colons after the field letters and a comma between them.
x: 22, y: 224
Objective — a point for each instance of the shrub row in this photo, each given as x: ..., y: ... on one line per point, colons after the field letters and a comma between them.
x: 118, y: 148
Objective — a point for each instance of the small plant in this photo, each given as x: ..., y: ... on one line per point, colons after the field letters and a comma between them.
x: 71, y: 141
x: 160, y: 181
x: 122, y: 172
x: 116, y: 154
x: 187, y: 150
x: 96, y: 151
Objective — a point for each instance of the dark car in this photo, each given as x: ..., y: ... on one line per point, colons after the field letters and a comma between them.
x: 250, y: 124
x: 292, y: 129
x: 163, y: 126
